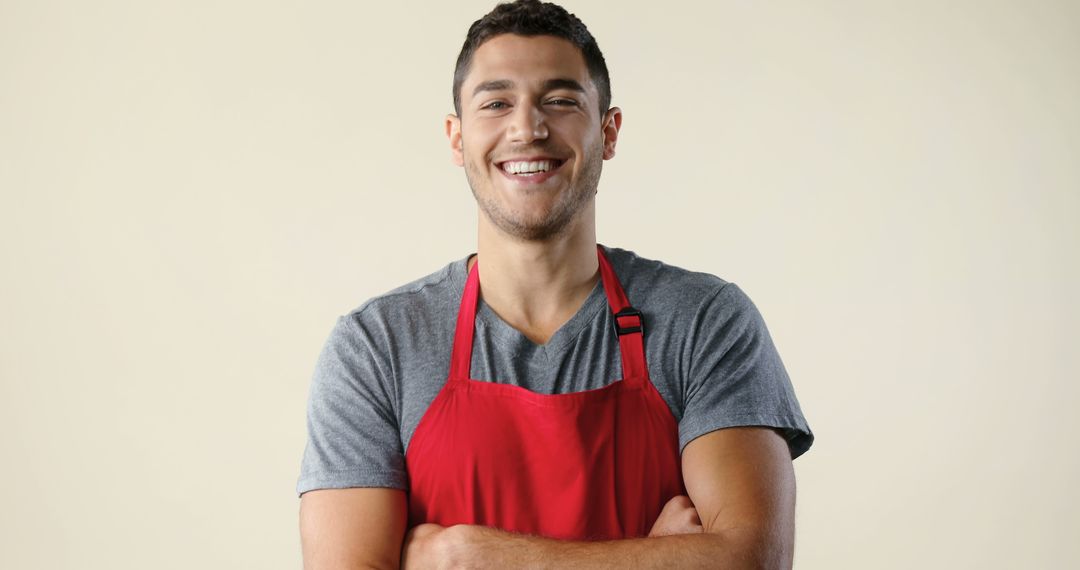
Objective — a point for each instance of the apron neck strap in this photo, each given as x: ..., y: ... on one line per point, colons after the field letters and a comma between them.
x: 461, y: 355
x: 628, y: 322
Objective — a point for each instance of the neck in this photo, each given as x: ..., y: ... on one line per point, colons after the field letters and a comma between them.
x: 536, y: 286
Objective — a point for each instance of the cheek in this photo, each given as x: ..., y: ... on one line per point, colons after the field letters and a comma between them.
x: 581, y: 136
x: 478, y: 153
x: 480, y: 137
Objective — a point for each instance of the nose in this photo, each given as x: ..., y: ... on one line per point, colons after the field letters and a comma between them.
x: 527, y: 123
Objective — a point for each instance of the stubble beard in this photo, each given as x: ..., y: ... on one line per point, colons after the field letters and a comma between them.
x: 557, y: 220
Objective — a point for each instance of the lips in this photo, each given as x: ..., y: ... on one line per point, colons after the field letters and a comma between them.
x: 530, y: 165
x: 530, y: 172
x: 530, y: 169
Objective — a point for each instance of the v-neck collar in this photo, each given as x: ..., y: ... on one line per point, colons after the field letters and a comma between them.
x: 510, y: 338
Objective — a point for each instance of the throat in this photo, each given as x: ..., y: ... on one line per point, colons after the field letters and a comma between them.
x: 534, y: 322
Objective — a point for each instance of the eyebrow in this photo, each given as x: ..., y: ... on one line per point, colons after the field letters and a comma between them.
x: 549, y: 85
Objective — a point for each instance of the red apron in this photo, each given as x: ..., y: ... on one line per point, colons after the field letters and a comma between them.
x: 590, y: 465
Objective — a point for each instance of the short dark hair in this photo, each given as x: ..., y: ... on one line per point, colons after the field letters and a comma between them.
x: 534, y: 18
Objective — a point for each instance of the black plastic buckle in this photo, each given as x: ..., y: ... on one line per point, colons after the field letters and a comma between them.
x: 629, y: 312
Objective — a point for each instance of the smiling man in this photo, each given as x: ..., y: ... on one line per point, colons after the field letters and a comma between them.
x: 548, y: 401
x: 517, y: 164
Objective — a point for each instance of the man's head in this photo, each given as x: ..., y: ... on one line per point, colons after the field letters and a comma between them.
x: 527, y: 130
x: 534, y: 18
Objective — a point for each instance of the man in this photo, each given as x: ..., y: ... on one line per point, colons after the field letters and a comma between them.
x: 548, y: 401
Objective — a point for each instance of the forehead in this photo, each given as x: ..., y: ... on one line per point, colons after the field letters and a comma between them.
x: 526, y: 59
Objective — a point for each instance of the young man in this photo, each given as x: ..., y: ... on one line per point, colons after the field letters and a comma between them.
x: 548, y: 401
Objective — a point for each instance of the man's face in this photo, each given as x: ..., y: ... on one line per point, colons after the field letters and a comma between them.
x: 530, y: 135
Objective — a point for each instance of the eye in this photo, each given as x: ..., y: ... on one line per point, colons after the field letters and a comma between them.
x: 563, y: 102
x: 495, y: 106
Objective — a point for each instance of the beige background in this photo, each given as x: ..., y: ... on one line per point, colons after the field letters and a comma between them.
x: 193, y: 191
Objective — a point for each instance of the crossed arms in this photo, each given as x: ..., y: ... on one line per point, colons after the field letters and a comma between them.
x: 740, y: 481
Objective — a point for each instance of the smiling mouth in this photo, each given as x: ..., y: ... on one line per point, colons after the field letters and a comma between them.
x: 530, y: 168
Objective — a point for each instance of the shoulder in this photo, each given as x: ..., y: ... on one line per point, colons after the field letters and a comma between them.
x: 417, y: 306
x: 661, y: 286
x: 686, y: 310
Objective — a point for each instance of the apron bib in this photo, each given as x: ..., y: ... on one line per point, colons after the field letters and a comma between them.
x: 592, y: 465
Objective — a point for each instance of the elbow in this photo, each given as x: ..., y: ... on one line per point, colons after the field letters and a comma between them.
x: 758, y: 550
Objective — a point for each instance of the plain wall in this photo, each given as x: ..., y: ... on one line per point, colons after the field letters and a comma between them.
x: 193, y: 191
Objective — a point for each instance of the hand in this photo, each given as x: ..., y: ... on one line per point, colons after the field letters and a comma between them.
x: 434, y: 546
x: 677, y: 517
x: 421, y: 547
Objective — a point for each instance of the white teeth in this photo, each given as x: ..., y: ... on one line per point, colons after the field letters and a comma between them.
x: 528, y: 167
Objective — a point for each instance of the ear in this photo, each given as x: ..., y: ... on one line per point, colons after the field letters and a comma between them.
x: 611, y: 125
x: 453, y: 133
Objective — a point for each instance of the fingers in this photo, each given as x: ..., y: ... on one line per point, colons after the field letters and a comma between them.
x: 417, y: 551
x: 422, y: 531
x: 677, y: 517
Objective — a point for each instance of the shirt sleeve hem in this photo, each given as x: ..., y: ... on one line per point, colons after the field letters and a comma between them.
x: 348, y: 478
x: 796, y: 431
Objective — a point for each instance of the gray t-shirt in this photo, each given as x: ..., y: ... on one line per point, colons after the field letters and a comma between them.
x: 708, y: 351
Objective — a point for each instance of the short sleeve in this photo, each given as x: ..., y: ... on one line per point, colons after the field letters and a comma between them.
x: 736, y: 377
x: 353, y: 439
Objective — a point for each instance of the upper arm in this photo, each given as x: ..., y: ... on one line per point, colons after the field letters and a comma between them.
x: 742, y: 483
x: 353, y: 510
x: 352, y: 528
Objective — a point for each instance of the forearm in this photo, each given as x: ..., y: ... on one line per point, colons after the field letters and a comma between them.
x: 483, y: 547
